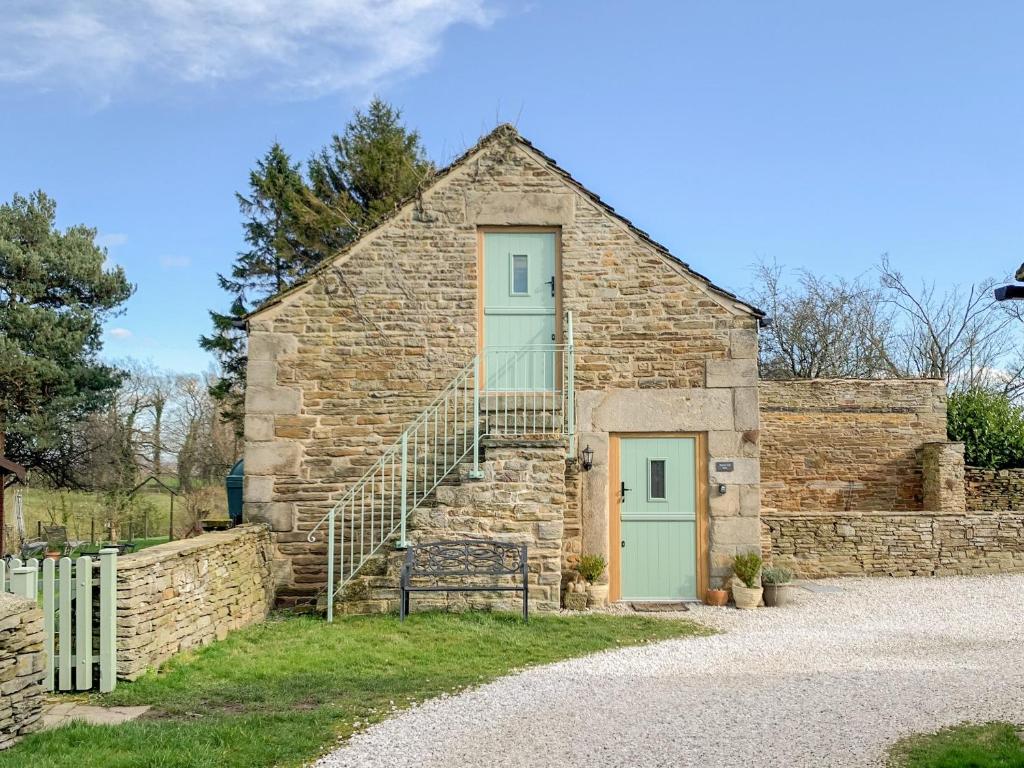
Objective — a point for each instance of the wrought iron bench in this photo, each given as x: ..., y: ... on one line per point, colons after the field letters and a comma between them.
x: 444, y: 561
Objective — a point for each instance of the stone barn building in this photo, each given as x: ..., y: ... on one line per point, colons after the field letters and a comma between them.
x: 506, y: 356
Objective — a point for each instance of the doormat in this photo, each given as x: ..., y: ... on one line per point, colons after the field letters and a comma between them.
x: 668, y: 607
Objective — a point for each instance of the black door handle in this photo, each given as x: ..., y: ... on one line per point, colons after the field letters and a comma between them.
x: 622, y: 491
x: 551, y: 282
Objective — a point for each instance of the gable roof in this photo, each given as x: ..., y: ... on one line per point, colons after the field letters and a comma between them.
x: 508, y: 133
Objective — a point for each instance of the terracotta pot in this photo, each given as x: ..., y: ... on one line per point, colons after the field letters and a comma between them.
x: 597, y: 595
x: 777, y: 595
x: 717, y: 597
x: 746, y: 598
x: 53, y: 555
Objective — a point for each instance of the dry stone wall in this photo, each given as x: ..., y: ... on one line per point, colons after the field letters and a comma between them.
x: 188, y: 593
x: 817, y: 545
x: 844, y: 444
x: 338, y: 369
x: 22, y: 668
x: 994, y: 489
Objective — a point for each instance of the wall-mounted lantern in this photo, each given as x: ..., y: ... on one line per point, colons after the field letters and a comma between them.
x: 587, y: 458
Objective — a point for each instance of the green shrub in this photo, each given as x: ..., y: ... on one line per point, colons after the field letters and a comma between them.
x: 591, y: 567
x: 775, y: 574
x: 989, y: 425
x: 746, y: 568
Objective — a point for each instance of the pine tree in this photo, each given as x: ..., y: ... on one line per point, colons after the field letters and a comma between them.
x: 360, y: 177
x: 292, y: 224
x: 274, y: 260
x: 55, y: 294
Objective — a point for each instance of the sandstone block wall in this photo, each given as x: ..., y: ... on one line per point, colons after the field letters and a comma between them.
x: 339, y: 368
x: 22, y: 668
x: 188, y: 593
x: 520, y: 499
x: 817, y: 545
x: 994, y: 489
x: 839, y: 444
x: 942, y: 466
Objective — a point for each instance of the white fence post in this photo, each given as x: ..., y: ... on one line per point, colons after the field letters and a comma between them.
x: 49, y: 618
x: 108, y: 620
x: 83, y: 623
x: 23, y: 582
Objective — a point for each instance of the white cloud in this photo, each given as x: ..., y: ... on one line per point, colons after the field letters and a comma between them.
x: 111, y: 239
x: 175, y: 262
x: 120, y: 333
x: 295, y: 47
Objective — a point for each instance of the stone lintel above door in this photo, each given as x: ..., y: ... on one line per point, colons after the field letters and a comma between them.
x: 539, y: 209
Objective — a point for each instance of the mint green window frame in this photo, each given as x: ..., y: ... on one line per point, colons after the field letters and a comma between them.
x: 663, y: 460
x: 513, y: 264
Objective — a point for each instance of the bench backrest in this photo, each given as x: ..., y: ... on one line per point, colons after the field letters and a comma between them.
x: 469, y: 557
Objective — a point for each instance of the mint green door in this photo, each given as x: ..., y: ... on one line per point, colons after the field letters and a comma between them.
x: 658, y: 514
x: 519, y: 311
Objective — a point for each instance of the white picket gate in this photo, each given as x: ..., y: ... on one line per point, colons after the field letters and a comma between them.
x: 75, y: 628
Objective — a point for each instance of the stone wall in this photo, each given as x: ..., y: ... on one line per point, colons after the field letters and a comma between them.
x: 521, y: 498
x: 821, y: 544
x: 841, y: 444
x: 22, y: 668
x: 994, y: 489
x: 188, y: 593
x: 341, y: 365
x: 942, y: 467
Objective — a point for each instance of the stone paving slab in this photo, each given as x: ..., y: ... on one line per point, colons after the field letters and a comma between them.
x: 56, y: 714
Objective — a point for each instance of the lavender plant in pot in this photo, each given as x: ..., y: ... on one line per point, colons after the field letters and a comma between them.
x: 777, y: 582
x: 747, y: 568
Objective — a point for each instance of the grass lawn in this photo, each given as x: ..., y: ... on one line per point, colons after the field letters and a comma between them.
x: 283, y: 692
x: 993, y: 745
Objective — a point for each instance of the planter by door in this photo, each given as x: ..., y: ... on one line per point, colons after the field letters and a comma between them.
x: 746, y: 598
x: 597, y: 595
x: 777, y: 595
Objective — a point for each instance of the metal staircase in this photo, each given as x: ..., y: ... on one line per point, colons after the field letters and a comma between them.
x: 523, y: 392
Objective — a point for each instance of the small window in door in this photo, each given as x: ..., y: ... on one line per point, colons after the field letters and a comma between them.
x: 520, y: 274
x: 656, y: 479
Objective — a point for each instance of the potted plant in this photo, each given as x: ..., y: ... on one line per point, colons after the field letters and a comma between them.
x: 575, y: 598
x: 776, y: 582
x: 591, y: 567
x: 716, y: 596
x: 747, y: 568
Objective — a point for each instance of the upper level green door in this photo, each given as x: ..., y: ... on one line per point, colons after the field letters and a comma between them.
x: 519, y: 311
x: 658, y: 514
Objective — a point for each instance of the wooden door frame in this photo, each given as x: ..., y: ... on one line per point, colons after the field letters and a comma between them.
x: 513, y: 229
x: 615, y: 513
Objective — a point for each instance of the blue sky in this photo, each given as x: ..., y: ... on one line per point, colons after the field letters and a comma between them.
x: 818, y: 134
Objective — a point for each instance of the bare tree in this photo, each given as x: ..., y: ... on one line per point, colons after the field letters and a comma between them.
x: 206, y: 445
x: 961, y: 335
x: 821, y: 327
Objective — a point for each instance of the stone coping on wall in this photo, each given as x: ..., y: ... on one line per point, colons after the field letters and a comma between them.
x: 186, y: 547
x: 771, y: 514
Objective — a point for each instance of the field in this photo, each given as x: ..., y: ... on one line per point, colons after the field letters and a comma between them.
x: 86, y: 515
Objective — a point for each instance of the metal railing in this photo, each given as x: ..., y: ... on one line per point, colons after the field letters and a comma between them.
x: 527, y: 391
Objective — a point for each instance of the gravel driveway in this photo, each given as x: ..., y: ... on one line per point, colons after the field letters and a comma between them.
x: 831, y: 681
